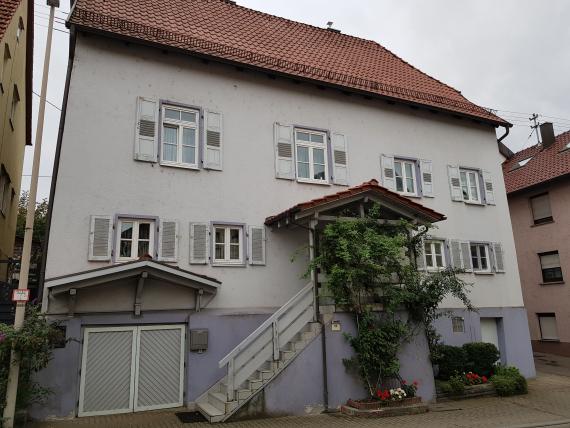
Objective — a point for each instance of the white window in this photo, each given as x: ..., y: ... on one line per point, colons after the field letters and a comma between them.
x: 480, y: 258
x: 311, y: 151
x: 135, y: 239
x: 228, y: 245
x: 548, y: 328
x: 434, y: 254
x: 458, y: 324
x: 470, y: 185
x: 405, y: 172
x: 180, y: 136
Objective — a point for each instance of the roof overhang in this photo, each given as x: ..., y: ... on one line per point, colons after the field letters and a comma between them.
x: 369, y: 191
x: 148, y: 268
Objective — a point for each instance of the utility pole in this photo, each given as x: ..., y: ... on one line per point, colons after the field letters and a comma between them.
x: 534, y: 127
x: 13, y: 374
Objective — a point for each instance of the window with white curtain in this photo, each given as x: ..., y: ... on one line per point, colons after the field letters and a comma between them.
x: 470, y: 185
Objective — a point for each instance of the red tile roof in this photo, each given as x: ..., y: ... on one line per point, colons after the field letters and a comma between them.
x: 221, y: 29
x: 544, y: 165
x: 7, y: 10
x: 366, y: 187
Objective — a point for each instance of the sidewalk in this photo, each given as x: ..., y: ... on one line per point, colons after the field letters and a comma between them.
x: 547, y: 404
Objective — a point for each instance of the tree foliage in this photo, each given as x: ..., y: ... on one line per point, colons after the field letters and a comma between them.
x: 40, y: 217
x: 370, y: 261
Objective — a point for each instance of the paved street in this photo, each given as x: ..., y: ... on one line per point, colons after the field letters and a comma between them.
x: 547, y: 404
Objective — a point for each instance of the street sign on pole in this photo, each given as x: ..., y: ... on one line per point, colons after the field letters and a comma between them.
x: 20, y: 295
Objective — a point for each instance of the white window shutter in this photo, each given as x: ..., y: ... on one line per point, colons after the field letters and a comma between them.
x: 168, y: 241
x: 213, y: 142
x: 466, y: 256
x: 199, y: 243
x: 388, y: 174
x: 284, y: 152
x: 256, y: 245
x: 489, y: 190
x: 100, y: 235
x: 455, y: 254
x: 454, y: 183
x: 146, y: 132
x: 421, y: 257
x: 498, y: 257
x: 340, y: 159
x: 427, y: 178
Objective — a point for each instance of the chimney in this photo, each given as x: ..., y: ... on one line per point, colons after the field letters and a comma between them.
x: 547, y: 134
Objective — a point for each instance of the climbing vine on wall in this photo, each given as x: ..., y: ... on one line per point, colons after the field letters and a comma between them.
x: 370, y: 265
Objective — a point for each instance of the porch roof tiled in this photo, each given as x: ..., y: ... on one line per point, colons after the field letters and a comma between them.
x: 372, y: 187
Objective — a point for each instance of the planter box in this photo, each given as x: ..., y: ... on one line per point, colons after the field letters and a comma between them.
x: 474, y: 391
x: 379, y: 409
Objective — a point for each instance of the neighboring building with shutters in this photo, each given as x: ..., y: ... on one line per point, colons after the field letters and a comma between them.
x: 537, y: 180
x: 199, y: 146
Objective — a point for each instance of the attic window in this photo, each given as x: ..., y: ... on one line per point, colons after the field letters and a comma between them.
x: 521, y: 163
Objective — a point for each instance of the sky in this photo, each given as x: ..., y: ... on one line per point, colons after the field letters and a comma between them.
x: 508, y: 55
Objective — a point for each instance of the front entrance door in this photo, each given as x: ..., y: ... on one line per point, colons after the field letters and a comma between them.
x: 131, y: 368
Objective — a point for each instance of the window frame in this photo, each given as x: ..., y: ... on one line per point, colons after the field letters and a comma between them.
x: 227, y: 261
x: 135, y: 238
x: 311, y: 146
x: 544, y: 220
x: 14, y: 106
x: 478, y: 246
x: 20, y: 29
x: 404, y: 177
x: 432, y: 243
x: 5, y: 194
x: 476, y: 174
x: 541, y: 315
x: 180, y: 126
x: 453, y: 325
x: 556, y: 280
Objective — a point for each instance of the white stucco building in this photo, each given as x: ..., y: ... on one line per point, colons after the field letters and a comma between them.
x: 185, y: 132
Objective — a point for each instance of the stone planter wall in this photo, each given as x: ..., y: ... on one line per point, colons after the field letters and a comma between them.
x: 378, y: 409
x: 486, y: 389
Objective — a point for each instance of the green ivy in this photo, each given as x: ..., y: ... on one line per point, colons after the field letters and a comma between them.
x: 368, y: 260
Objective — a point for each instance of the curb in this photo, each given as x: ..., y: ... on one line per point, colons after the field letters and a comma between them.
x: 543, y: 424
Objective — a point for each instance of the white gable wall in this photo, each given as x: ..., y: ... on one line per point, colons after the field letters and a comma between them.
x: 98, y: 174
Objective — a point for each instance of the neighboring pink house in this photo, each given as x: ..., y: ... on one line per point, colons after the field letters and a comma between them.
x: 537, y: 181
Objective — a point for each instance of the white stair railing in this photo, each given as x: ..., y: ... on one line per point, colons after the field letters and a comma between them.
x: 267, y: 340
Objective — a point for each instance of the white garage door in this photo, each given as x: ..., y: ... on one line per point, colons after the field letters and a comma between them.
x: 489, y: 333
x: 127, y: 369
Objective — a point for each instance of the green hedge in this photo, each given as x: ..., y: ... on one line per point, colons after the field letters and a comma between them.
x: 481, y: 358
x: 509, y: 381
x: 450, y: 360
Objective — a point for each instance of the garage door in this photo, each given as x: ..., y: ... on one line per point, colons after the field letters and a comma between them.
x: 127, y: 369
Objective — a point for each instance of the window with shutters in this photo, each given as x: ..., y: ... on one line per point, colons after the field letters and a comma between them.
x: 5, y: 192
x: 405, y: 174
x: 540, y: 207
x: 548, y: 327
x: 434, y: 254
x: 228, y: 245
x: 550, y: 266
x: 470, y: 185
x: 5, y: 62
x: 135, y: 239
x: 180, y: 130
x: 480, y: 258
x: 20, y: 30
x: 311, y: 156
x: 14, y: 107
x: 458, y: 324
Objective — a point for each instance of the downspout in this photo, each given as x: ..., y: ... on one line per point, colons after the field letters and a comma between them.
x: 41, y: 279
x: 502, y: 137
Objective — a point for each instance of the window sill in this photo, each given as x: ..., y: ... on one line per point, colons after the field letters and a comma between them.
x: 552, y: 283
x: 322, y: 183
x: 482, y: 273
x: 409, y: 195
x: 542, y: 223
x: 180, y: 165
x: 223, y: 264
x: 550, y: 340
x: 478, y: 204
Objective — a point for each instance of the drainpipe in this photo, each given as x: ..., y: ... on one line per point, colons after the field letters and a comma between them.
x: 502, y: 137
x: 314, y: 278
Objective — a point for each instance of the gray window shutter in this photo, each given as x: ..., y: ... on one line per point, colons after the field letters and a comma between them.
x: 213, y: 141
x: 340, y: 159
x: 498, y: 257
x: 455, y: 256
x: 466, y: 256
x: 421, y: 257
x: 489, y: 190
x: 168, y: 241
x: 199, y: 243
x: 256, y: 244
x: 388, y: 175
x: 100, y: 235
x: 427, y: 178
x: 454, y: 183
x: 284, y: 152
x: 146, y: 133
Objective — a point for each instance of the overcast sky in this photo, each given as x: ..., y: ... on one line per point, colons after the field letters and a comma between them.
x: 509, y: 55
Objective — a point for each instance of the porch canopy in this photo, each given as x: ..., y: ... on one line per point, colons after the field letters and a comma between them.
x: 138, y: 273
x: 354, y: 202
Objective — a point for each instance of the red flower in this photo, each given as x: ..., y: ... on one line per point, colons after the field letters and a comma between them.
x: 415, y: 383
x: 403, y: 382
x: 484, y: 379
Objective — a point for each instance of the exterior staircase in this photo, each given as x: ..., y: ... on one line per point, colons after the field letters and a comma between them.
x: 261, y: 356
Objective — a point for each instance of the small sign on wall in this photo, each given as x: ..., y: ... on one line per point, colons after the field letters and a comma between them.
x: 20, y: 295
x: 335, y: 326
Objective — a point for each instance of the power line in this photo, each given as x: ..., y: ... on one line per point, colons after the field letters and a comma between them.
x: 55, y: 29
x: 46, y: 6
x: 47, y: 101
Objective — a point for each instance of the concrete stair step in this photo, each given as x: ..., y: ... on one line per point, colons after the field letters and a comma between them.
x: 210, y: 412
x: 219, y: 400
x: 266, y: 374
x: 243, y: 394
x: 287, y: 355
